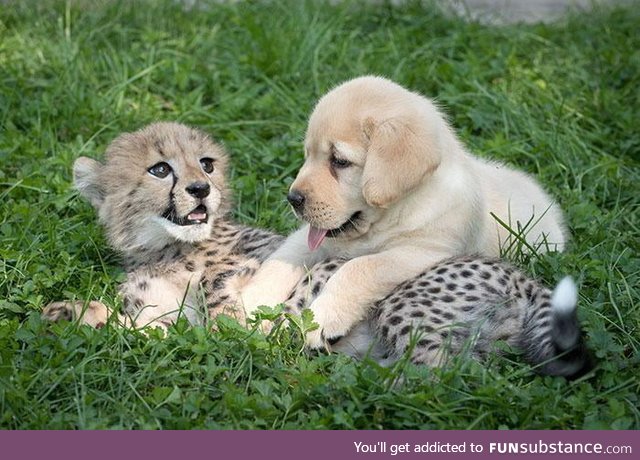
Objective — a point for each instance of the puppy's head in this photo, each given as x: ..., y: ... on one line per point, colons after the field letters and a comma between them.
x: 369, y: 143
x: 163, y: 183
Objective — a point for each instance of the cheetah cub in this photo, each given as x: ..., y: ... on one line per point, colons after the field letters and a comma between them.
x: 162, y: 198
x: 467, y: 304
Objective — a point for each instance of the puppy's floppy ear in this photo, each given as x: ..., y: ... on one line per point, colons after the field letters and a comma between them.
x: 86, y: 178
x: 399, y: 156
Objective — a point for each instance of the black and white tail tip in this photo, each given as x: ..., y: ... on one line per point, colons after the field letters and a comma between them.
x: 571, y: 356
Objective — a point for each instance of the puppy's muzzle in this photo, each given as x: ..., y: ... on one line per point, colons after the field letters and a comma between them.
x: 296, y: 199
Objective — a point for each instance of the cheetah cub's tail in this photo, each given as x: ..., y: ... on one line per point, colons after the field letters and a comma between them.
x: 560, y: 349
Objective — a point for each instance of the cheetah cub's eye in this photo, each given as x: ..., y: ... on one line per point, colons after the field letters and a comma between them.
x: 207, y: 165
x: 160, y: 170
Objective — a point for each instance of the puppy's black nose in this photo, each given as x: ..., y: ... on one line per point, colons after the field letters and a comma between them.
x: 198, y: 189
x: 296, y: 199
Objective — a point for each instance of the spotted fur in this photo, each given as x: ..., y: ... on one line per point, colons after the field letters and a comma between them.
x: 466, y: 304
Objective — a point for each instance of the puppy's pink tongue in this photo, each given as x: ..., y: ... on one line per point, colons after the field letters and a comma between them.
x: 316, y: 235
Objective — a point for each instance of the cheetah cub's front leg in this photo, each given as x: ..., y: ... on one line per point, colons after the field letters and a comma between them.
x: 222, y: 284
x: 93, y: 313
x: 148, y: 300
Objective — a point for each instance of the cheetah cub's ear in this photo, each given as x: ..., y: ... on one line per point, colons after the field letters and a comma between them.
x: 86, y: 177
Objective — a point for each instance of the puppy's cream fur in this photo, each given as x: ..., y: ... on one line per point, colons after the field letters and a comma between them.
x: 386, y: 158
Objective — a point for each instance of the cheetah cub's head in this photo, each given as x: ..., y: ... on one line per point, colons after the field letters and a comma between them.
x: 163, y: 183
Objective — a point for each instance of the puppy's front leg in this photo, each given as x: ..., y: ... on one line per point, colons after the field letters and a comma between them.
x: 279, y: 274
x: 358, y: 284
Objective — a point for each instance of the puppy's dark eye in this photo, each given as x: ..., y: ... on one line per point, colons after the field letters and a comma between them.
x: 339, y: 163
x: 160, y: 170
x: 207, y: 165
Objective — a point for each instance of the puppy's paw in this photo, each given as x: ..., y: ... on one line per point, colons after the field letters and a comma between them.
x: 254, y: 297
x: 315, y: 340
x: 271, y: 285
x: 332, y: 326
x: 266, y: 326
x: 233, y: 310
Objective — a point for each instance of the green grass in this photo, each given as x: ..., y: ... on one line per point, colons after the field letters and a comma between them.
x: 559, y: 101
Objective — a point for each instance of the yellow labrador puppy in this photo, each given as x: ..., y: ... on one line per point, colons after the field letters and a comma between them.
x: 387, y: 185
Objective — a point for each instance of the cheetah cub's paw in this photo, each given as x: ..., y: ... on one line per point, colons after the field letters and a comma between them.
x: 94, y: 313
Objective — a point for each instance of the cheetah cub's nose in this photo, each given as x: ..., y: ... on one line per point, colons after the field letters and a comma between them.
x: 198, y: 189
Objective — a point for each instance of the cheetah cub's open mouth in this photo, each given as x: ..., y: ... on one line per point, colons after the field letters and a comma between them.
x: 198, y: 216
